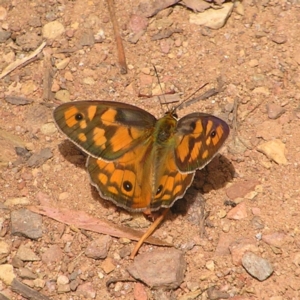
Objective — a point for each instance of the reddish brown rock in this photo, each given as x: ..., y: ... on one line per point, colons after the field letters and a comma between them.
x: 239, y: 247
x: 241, y: 189
x: 52, y: 255
x: 239, y: 212
x: 275, y: 239
x: 274, y: 110
x: 98, y: 248
x: 139, y: 292
x: 160, y: 268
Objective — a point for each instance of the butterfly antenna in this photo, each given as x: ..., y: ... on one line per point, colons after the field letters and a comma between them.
x: 190, y: 96
x: 161, y: 102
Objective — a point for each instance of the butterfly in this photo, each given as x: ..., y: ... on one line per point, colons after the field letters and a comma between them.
x: 135, y: 160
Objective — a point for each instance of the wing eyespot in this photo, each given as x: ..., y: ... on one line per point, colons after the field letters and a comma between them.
x: 159, y: 189
x: 127, y: 186
x: 213, y: 134
x: 79, y: 117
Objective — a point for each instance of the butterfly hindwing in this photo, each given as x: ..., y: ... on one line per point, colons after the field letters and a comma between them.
x: 170, y: 183
x: 125, y: 181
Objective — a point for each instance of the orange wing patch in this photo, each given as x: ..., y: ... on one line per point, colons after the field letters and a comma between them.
x: 99, y: 136
x: 92, y: 109
x: 209, y: 126
x: 70, y: 116
x: 82, y: 137
x: 183, y: 149
x: 120, y: 139
x: 219, y: 133
x: 109, y: 116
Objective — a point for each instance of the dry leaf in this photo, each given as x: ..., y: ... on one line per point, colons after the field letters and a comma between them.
x: 82, y: 220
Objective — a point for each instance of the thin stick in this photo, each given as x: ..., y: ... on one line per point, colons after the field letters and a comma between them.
x: 120, y: 48
x: 22, y: 61
x: 191, y: 95
x: 204, y: 96
x: 148, y: 233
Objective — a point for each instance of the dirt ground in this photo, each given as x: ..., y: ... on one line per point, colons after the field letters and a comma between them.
x: 251, y: 194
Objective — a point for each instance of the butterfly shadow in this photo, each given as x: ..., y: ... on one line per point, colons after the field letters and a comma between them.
x: 77, y: 157
x: 72, y: 154
x: 214, y: 176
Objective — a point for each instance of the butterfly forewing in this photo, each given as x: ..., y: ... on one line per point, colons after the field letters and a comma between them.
x: 198, y: 139
x: 104, y: 129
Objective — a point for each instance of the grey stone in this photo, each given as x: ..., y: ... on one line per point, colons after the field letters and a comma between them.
x: 26, y: 223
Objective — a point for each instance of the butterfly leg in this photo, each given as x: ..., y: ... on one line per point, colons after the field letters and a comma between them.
x: 150, y: 230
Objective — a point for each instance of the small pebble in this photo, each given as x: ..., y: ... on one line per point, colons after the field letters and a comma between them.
x: 108, y: 265
x: 279, y: 38
x: 53, y: 29
x: 87, y: 290
x: 253, y: 63
x: 62, y: 279
x: 48, y: 129
x: 7, y: 273
x: 274, y: 111
x: 26, y: 254
x: 239, y: 212
x: 257, y: 266
x: 62, y: 64
x: 63, y: 95
x: 39, y: 283
x: 210, y: 265
x: 63, y: 288
x: 63, y: 196
x: 274, y: 150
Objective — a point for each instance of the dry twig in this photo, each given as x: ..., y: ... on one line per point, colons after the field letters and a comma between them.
x: 120, y: 48
x: 22, y: 61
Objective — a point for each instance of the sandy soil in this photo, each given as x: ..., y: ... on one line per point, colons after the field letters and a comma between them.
x: 255, y: 60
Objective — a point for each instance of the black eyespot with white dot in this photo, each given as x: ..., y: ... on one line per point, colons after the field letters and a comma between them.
x: 78, y: 117
x: 213, y: 134
x: 127, y: 186
x: 159, y: 189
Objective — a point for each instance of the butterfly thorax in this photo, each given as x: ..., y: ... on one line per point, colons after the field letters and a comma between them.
x: 165, y: 129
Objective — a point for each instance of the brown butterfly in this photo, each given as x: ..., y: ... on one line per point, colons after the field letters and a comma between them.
x: 135, y: 160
